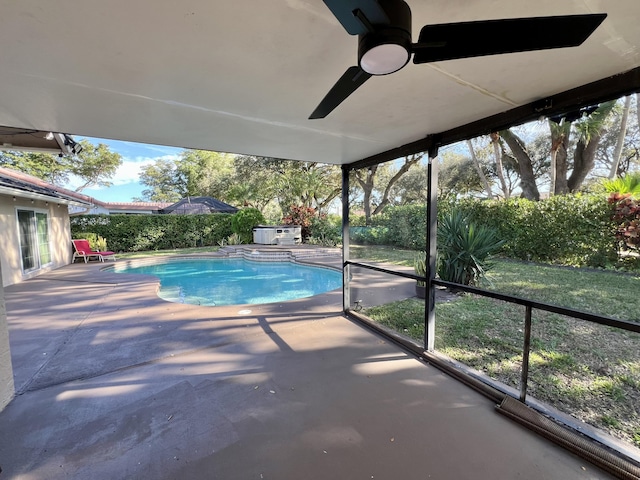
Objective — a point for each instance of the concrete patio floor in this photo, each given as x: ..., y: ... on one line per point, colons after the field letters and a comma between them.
x: 114, y: 383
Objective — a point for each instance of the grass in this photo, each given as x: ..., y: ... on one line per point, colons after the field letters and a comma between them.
x: 586, y: 370
x: 375, y: 253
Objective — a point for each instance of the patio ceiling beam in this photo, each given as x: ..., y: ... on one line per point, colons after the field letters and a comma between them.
x: 609, y: 88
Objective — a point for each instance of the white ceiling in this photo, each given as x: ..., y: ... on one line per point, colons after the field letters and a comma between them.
x: 243, y: 76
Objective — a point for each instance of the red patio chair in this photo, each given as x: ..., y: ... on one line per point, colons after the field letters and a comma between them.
x: 83, y: 250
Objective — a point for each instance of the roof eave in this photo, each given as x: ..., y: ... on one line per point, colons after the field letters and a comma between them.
x: 16, y: 192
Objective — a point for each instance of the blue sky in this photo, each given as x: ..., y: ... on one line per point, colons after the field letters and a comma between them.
x: 126, y: 184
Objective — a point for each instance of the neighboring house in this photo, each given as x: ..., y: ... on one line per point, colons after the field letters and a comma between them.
x: 114, y: 208
x: 199, y: 205
x: 35, y: 234
x: 189, y: 205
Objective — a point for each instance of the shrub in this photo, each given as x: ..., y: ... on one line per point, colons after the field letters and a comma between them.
x: 369, y: 235
x: 243, y: 222
x: 132, y: 233
x: 324, y: 232
x: 626, y: 215
x: 464, y: 249
x: 568, y: 229
x: 96, y: 242
x: 407, y: 226
x: 302, y: 216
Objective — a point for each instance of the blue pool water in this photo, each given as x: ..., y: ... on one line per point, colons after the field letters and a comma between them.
x: 231, y: 281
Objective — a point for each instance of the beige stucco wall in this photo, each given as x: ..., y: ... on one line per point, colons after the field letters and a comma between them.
x: 7, y: 388
x: 59, y: 237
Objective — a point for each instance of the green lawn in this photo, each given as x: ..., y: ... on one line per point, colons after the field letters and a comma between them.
x: 375, y: 253
x: 589, y: 371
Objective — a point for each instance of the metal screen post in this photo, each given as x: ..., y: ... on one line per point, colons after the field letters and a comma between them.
x: 525, y: 354
x: 346, y: 269
x: 432, y: 222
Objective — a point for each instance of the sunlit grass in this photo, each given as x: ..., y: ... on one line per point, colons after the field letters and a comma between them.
x: 586, y: 370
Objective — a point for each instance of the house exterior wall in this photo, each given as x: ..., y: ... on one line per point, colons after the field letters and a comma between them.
x: 7, y: 388
x: 59, y: 237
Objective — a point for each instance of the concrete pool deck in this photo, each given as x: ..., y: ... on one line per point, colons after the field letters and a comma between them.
x: 115, y: 383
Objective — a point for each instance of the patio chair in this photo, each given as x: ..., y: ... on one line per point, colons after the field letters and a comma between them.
x: 82, y: 249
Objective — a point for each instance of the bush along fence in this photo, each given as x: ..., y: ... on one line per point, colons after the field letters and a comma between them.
x: 133, y: 233
x: 575, y: 230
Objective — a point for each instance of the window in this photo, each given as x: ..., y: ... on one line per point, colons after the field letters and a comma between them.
x: 34, y: 239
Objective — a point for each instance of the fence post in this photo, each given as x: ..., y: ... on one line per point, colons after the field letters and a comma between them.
x: 432, y: 221
x: 525, y: 354
x: 346, y: 289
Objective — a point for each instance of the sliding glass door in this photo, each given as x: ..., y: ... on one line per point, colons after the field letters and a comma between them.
x: 34, y: 239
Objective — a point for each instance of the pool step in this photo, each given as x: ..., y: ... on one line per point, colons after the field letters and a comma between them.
x: 260, y: 253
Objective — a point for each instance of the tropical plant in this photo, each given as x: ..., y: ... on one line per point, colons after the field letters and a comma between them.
x: 420, y: 267
x: 626, y: 215
x: 302, y: 216
x: 96, y: 242
x: 243, y: 222
x: 234, y: 239
x: 629, y: 184
x: 464, y: 249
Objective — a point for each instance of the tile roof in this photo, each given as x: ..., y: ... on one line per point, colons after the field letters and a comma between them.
x: 199, y: 205
x: 17, y: 183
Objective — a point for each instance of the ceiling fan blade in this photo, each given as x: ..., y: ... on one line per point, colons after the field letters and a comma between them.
x: 348, y: 83
x: 492, y: 37
x: 343, y: 11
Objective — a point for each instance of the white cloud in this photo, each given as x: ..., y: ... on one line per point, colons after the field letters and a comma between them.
x: 128, y: 172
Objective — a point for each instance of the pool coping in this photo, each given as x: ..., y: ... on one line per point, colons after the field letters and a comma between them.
x: 245, y: 254
x: 301, y: 257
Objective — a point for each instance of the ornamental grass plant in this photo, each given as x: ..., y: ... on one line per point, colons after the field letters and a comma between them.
x: 464, y: 249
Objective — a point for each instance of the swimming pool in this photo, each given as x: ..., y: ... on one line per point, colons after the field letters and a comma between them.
x: 235, y: 281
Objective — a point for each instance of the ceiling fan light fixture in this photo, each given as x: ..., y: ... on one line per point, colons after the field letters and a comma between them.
x: 384, y: 59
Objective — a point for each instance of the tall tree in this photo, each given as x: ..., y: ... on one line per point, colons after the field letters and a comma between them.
x: 162, y: 181
x: 312, y: 184
x: 256, y: 181
x: 476, y: 164
x: 48, y: 167
x: 93, y: 166
x: 413, y: 186
x: 205, y: 173
x: 560, y: 134
x: 620, y: 139
x: 590, y: 131
x: 372, y: 180
x: 525, y: 164
x: 458, y: 176
x: 497, y: 153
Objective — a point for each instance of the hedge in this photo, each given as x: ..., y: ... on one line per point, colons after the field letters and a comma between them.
x: 131, y: 233
x: 567, y: 229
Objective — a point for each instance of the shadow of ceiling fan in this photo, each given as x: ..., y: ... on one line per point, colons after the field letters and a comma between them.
x: 384, y: 40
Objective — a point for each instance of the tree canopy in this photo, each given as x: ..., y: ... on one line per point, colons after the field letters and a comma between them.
x: 249, y: 181
x: 94, y: 165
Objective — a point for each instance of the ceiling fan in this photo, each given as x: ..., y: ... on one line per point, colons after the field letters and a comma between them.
x: 384, y: 40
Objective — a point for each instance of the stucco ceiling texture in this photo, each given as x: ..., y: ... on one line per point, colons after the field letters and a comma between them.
x: 243, y: 76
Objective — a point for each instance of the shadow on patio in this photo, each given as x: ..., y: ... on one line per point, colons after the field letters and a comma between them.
x: 113, y: 382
